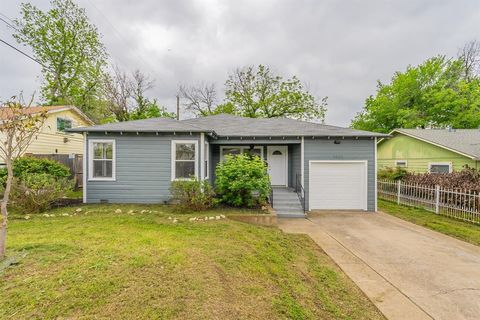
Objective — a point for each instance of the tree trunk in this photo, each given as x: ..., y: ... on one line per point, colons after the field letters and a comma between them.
x: 3, y: 209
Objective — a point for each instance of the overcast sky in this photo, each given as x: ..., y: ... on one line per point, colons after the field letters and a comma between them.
x: 338, y: 48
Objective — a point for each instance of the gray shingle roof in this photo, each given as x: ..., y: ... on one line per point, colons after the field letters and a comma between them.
x: 465, y: 141
x: 232, y: 126
x: 145, y: 125
x: 235, y: 126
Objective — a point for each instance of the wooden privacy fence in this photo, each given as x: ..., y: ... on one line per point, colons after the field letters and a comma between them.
x: 74, y: 162
x: 459, y: 204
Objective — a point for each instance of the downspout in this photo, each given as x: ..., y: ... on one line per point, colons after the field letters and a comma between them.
x: 85, y: 172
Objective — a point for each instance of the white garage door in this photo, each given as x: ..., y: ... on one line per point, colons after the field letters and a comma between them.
x: 340, y: 185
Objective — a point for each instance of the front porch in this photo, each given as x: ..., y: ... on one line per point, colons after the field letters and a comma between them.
x: 283, y: 160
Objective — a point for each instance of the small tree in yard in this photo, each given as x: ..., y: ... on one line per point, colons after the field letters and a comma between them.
x: 242, y: 180
x: 18, y: 128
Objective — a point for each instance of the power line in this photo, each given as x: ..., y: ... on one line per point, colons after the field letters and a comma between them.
x: 120, y: 36
x: 25, y: 54
x: 8, y: 23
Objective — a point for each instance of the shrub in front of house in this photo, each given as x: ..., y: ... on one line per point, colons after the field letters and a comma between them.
x: 37, y: 183
x: 27, y: 165
x: 242, y: 181
x: 192, y: 194
x: 36, y: 192
x: 389, y: 173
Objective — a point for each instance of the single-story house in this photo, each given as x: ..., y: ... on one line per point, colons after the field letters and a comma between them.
x: 430, y: 150
x: 135, y: 161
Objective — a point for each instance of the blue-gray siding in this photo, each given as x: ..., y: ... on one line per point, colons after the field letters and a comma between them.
x: 348, y: 149
x: 294, y: 163
x: 143, y: 169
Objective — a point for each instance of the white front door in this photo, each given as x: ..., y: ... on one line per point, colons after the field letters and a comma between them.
x: 277, y: 165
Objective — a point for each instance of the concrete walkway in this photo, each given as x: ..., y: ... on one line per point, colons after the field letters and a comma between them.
x: 409, y: 272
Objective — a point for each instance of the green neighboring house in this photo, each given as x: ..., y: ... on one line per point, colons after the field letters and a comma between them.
x: 430, y: 150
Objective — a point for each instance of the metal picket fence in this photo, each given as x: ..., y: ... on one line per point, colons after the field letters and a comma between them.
x: 458, y: 204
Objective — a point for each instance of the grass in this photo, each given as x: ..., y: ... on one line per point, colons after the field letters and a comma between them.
x: 102, y: 264
x: 461, y: 230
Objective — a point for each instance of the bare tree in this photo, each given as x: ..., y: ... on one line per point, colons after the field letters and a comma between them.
x: 118, y: 90
x: 126, y: 94
x: 141, y: 84
x: 18, y: 127
x: 200, y: 100
x: 470, y: 56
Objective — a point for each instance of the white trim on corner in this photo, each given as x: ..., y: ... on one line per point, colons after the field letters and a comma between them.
x: 285, y: 148
x: 90, y: 159
x: 376, y: 173
x: 302, y: 161
x: 85, y: 168
x: 173, y: 157
x: 365, y: 162
x: 400, y: 160
x: 449, y: 164
x: 202, y: 156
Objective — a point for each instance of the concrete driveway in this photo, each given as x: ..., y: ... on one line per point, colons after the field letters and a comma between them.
x: 408, y: 271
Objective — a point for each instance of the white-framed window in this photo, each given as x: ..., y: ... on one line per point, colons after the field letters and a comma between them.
x: 235, y: 150
x: 440, y: 167
x: 401, y: 163
x: 63, y: 123
x: 206, y: 154
x: 184, y: 159
x: 101, y: 165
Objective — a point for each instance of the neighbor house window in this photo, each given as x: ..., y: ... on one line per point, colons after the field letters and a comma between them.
x: 257, y: 150
x: 440, y: 167
x: 63, y: 124
x: 401, y: 163
x: 206, y: 155
x: 184, y: 159
x: 102, y: 160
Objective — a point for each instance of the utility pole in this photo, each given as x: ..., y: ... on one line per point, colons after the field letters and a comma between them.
x: 178, y: 107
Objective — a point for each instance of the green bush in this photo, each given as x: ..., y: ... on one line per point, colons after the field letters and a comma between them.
x: 36, y: 192
x: 26, y: 165
x: 242, y: 180
x: 192, y: 194
x: 396, y: 173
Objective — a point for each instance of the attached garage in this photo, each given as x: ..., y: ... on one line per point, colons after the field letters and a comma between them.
x: 338, y: 185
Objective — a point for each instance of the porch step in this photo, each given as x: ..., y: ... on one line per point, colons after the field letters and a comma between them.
x: 286, y: 203
x: 287, y: 213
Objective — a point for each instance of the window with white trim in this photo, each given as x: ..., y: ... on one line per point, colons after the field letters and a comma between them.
x: 440, y: 167
x: 184, y: 159
x: 102, y: 159
x: 401, y: 163
x: 236, y: 150
x: 206, y: 155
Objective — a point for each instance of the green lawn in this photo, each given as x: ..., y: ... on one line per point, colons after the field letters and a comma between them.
x: 462, y: 230
x: 102, y: 264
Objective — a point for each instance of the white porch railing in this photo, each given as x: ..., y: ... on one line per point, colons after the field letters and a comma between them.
x: 459, y: 204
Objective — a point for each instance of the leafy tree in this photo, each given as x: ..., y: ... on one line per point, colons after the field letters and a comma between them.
x: 258, y: 93
x: 69, y: 47
x: 18, y: 130
x: 436, y: 94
